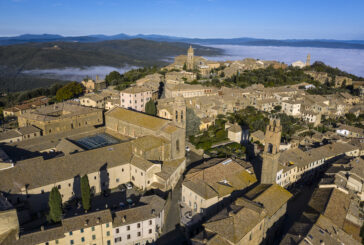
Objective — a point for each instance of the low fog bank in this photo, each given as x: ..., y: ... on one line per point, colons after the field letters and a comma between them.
x: 77, y: 74
x: 349, y: 60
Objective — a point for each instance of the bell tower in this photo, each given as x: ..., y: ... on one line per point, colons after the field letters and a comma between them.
x: 308, y: 60
x: 179, y: 112
x: 190, y: 58
x: 271, y: 152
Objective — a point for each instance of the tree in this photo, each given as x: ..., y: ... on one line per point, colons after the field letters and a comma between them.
x: 85, y: 193
x: 112, y: 77
x: 55, y: 205
x: 185, y: 66
x: 69, y: 91
x: 192, y: 122
x: 150, y: 108
x: 278, y: 108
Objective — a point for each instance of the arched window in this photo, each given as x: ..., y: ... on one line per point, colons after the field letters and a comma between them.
x: 270, y: 148
x: 177, y: 145
x: 195, y: 206
x: 176, y: 115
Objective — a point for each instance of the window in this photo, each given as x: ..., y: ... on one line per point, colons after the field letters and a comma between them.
x: 118, y: 239
x: 128, y: 236
x: 95, y: 177
x: 128, y: 228
x: 81, y: 230
x: 150, y: 222
x: 108, y: 242
x: 139, y: 233
x: 150, y: 231
x: 107, y: 225
x: 117, y: 180
x: 93, y: 237
x: 122, y: 170
x: 59, y: 187
x: 141, y: 174
x: 47, y: 243
x: 57, y: 242
x: 117, y: 230
x: 72, y: 242
x: 42, y: 191
x: 70, y: 233
x: 82, y: 239
x: 177, y: 145
x: 93, y: 228
x: 69, y: 184
x: 138, y: 225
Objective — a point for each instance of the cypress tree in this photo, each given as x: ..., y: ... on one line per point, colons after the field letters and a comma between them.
x: 150, y: 108
x: 85, y: 193
x: 55, y: 205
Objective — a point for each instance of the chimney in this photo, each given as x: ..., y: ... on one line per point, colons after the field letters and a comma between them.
x: 123, y: 219
x: 86, y: 222
x: 153, y: 211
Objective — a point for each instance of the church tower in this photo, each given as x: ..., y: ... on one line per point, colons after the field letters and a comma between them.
x: 190, y: 59
x: 308, y: 60
x: 179, y: 112
x: 271, y: 152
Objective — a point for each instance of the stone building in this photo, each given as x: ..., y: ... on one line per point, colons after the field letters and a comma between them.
x: 61, y: 117
x: 134, y: 125
x: 188, y: 91
x: 271, y: 152
x: 135, y: 98
x: 213, y: 182
x: 235, y: 133
x: 173, y: 109
x: 94, y: 85
x: 251, y: 219
x: 190, y: 64
x: 19, y: 134
x: 26, y: 106
x: 93, y: 100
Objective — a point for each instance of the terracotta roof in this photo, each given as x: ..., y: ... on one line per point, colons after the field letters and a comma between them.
x: 39, y: 237
x: 86, y: 220
x: 141, y: 163
x: 137, y: 118
x: 273, y: 198
x: 151, y: 208
x: 37, y: 172
x: 236, y: 226
x: 235, y: 128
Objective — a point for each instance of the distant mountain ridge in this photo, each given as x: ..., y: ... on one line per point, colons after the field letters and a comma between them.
x: 320, y: 43
x: 16, y: 59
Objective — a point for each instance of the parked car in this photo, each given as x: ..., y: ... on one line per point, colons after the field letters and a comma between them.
x: 122, y: 187
x: 130, y: 202
x: 129, y: 185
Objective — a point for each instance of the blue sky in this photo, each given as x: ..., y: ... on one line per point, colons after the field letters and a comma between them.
x: 280, y: 19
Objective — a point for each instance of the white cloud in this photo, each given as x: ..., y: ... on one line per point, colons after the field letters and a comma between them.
x: 77, y: 74
x: 349, y: 60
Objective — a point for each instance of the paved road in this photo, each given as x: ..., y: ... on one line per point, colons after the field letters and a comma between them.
x: 172, y: 233
x: 296, y: 206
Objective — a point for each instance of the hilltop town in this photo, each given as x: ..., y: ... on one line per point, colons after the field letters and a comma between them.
x: 196, y: 152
